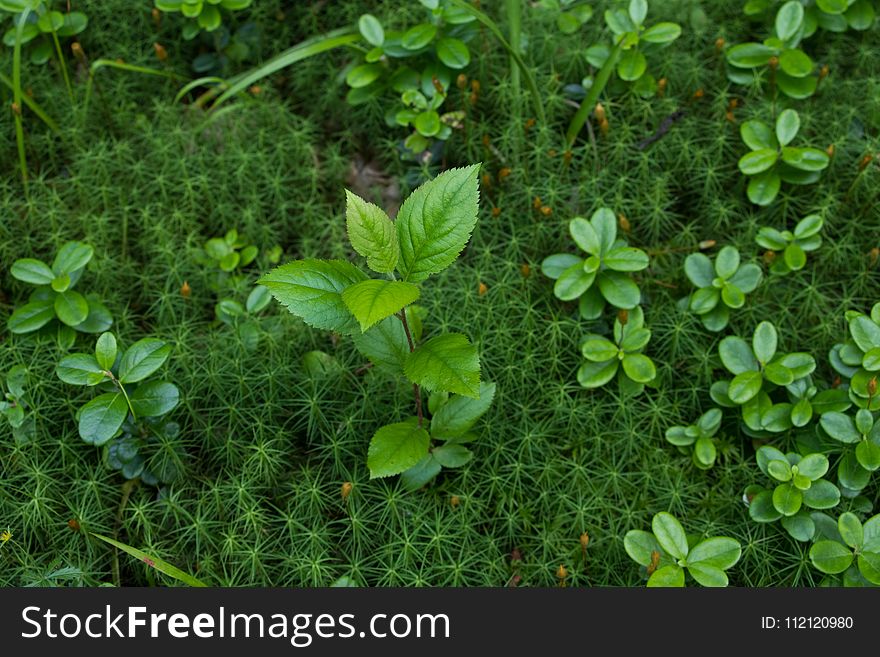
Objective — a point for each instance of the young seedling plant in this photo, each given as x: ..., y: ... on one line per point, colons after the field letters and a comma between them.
x: 14, y: 407
x: 632, y: 40
x: 758, y: 369
x: 605, y: 275
x: 419, y: 65
x: 860, y: 438
x: 778, y: 58
x: 831, y: 15
x: 699, y: 438
x: 54, y: 297
x: 773, y: 161
x: 858, y: 358
x: 431, y: 229
x: 43, y: 28
x: 721, y: 287
x: 668, y: 553
x: 126, y: 416
x: 798, y: 483
x: 245, y: 318
x: 793, y: 245
x: 854, y: 549
x: 604, y: 358
x: 201, y: 15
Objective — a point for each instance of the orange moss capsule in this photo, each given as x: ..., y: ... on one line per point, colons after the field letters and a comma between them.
x: 874, y: 255
x: 552, y: 152
x: 562, y: 572
x: 486, y: 179
x: 255, y: 90
x: 77, y: 50
x: 496, y: 211
x: 73, y: 524
x: 454, y: 501
x: 461, y: 81
x: 769, y: 256
x: 503, y: 173
x: 661, y: 87
x: 604, y: 127
x: 185, y: 290
x: 823, y: 72
x: 699, y: 93
x: 566, y: 157
x: 865, y: 162
x: 706, y: 244
x: 585, y: 540
x: 623, y: 222
x: 872, y: 386
x: 526, y: 270
x: 836, y: 382
x: 346, y: 490
x: 719, y: 44
x: 161, y: 53
x: 475, y: 86
x: 655, y: 562
x: 773, y: 62
x: 599, y: 112
x: 157, y: 17
x: 830, y: 150
x: 486, y: 141
x: 623, y: 316
x: 728, y: 115
x: 546, y: 210
x: 16, y: 108
x: 537, y: 203
x: 438, y: 86
x: 482, y: 289
x: 473, y: 98
x: 530, y: 123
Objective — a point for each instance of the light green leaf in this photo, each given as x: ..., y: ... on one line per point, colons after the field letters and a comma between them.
x: 626, y: 259
x: 363, y: 75
x: 105, y: 350
x: 80, y: 370
x: 71, y: 307
x: 631, y: 65
x: 373, y: 300
x: 30, y: 270
x: 154, y: 562
x: 787, y: 125
x: 585, y: 235
x: 395, y: 448
x: 101, y: 418
x: 699, y: 269
x: 312, y: 290
x: 595, y: 375
x: 435, y: 223
x: 745, y: 386
x: 605, y: 224
x: 797, y: 64
x: 371, y: 29
x: 757, y: 135
x: 667, y: 577
x: 787, y: 499
x: 452, y: 456
x: 805, y: 159
x: 764, y: 342
x: 71, y: 257
x: 421, y: 473
x: 708, y: 575
x: 419, y: 36
x: 661, y: 33
x: 721, y: 552
x: 371, y: 233
x: 573, y: 282
x: 747, y: 277
x: 553, y: 266
x: 850, y: 529
x: 840, y: 427
x: 757, y: 161
x: 670, y: 535
x: 830, y: 557
x: 447, y: 362
x: 598, y: 349
x: 813, y: 466
x: 640, y: 545
x: 789, y: 19
x: 639, y: 368
x: 736, y: 355
x: 865, y: 333
x: 453, y: 52
x: 142, y: 359
x: 619, y: 289
x: 385, y: 345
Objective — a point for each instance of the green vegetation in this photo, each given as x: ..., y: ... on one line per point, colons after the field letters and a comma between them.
x: 756, y: 393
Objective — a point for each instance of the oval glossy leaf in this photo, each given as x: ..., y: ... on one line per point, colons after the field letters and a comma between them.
x: 639, y: 368
x: 105, y: 350
x: 453, y: 52
x: 573, y: 282
x: 631, y: 65
x: 661, y: 33
x: 830, y: 557
x: 805, y: 159
x: 142, y: 359
x: 595, y: 375
x: 154, y: 398
x: 850, y: 529
x: 757, y: 161
x: 764, y: 187
x: 363, y: 75
x: 787, y: 499
x: 371, y: 29
x: 736, y: 355
x: 619, y: 289
x: 787, y: 126
x: 699, y: 269
x: 757, y: 135
x: 626, y: 259
x: 101, y: 418
x: 30, y: 270
x: 458, y: 415
x: 80, y: 370
x: 31, y: 316
x: 667, y: 577
x: 71, y: 257
x: 797, y: 64
x: 419, y: 36
x: 71, y: 307
x: 764, y: 342
x: 670, y: 535
x: 789, y: 19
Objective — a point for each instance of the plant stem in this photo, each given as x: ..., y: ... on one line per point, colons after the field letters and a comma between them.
x: 412, y: 347
x: 16, y: 97
x: 589, y: 102
x: 62, y: 64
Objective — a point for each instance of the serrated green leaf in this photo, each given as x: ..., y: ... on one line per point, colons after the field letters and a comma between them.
x: 395, y: 448
x: 446, y: 362
x: 312, y: 290
x: 373, y: 300
x: 435, y: 223
x: 371, y: 233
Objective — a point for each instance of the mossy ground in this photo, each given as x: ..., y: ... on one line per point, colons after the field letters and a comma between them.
x: 146, y: 182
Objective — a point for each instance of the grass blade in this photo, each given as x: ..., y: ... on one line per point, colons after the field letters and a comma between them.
x: 98, y: 64
x: 17, y: 98
x: 155, y: 562
x: 297, y: 53
x: 526, y: 73
x: 602, y: 77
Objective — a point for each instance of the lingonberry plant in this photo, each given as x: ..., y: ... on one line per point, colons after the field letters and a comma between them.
x: 858, y: 358
x: 42, y: 27
x: 14, y: 406
x: 244, y: 318
x: 604, y: 358
x: 432, y: 228
x: 227, y: 253
x: 130, y: 409
x: 419, y: 65
x: 668, y: 553
x: 797, y: 483
x: 778, y: 59
x: 860, y: 440
x: 772, y: 161
x: 793, y: 245
x: 759, y: 369
x: 605, y: 274
x: 720, y: 287
x: 830, y: 15
x: 698, y: 438
x: 55, y: 299
x: 632, y: 41
x: 201, y: 15
x: 851, y: 548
